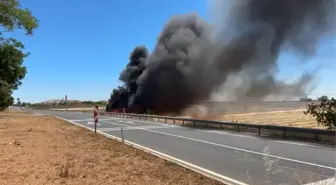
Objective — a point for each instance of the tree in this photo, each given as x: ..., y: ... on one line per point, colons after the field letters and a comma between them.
x: 325, y: 112
x: 324, y: 97
x: 12, y: 71
x: 14, y: 17
x: 18, y: 102
x: 23, y: 104
x: 6, y: 99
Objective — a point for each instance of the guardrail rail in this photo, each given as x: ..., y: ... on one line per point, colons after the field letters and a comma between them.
x: 285, y: 132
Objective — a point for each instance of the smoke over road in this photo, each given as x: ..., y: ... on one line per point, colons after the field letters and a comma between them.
x: 192, y: 58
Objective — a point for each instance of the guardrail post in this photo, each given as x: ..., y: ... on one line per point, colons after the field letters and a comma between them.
x: 316, y: 137
x: 284, y: 134
x: 259, y: 131
x: 194, y: 123
x: 238, y: 128
x: 122, y: 135
x: 174, y: 121
x: 95, y: 118
x: 220, y: 127
x: 206, y: 124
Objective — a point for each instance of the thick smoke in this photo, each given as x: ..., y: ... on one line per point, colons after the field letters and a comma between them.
x: 192, y: 59
x: 121, y: 96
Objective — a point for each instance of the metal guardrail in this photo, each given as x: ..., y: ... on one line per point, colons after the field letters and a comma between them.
x: 261, y: 130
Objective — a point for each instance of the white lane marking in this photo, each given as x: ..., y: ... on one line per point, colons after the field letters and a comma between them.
x: 141, y: 121
x: 331, y: 181
x: 301, y: 144
x: 193, y: 167
x: 90, y: 119
x: 230, y: 134
x: 125, y: 121
x: 223, y: 132
x: 114, y: 123
x: 235, y: 148
x: 91, y: 123
x: 243, y: 150
x: 131, y: 128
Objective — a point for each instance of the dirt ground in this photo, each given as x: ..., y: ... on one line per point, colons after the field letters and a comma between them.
x: 44, y: 150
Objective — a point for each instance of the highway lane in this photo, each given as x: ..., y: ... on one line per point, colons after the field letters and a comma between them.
x: 245, y: 158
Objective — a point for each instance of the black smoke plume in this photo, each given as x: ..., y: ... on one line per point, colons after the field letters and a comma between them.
x: 192, y: 58
x: 121, y: 96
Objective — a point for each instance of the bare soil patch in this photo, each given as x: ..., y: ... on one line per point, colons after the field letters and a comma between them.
x: 45, y: 150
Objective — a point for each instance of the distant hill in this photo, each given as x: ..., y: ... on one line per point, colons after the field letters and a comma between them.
x: 57, y: 101
x: 51, y: 101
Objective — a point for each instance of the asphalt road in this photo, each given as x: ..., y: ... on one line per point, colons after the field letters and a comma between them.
x: 245, y: 158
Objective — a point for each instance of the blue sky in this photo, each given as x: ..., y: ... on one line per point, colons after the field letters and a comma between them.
x: 80, y: 46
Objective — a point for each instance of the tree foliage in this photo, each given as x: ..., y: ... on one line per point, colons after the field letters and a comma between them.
x: 18, y: 102
x: 325, y: 112
x: 11, y: 64
x: 5, y: 98
x: 324, y: 97
x: 13, y: 17
x: 12, y: 71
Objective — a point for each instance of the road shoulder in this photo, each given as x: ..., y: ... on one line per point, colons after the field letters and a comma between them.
x: 42, y: 149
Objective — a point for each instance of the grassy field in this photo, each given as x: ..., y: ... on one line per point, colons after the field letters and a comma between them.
x: 295, y: 118
x: 44, y: 150
x: 272, y: 113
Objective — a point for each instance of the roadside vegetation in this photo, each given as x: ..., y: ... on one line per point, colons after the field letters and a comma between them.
x: 324, y: 112
x: 12, y: 18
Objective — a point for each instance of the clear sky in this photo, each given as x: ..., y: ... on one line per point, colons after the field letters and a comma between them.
x: 81, y: 46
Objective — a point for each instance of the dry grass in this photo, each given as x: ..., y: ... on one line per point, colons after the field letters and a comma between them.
x: 295, y: 118
x: 44, y: 150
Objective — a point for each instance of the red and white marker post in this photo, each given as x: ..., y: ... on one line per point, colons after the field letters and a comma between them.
x: 95, y: 117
